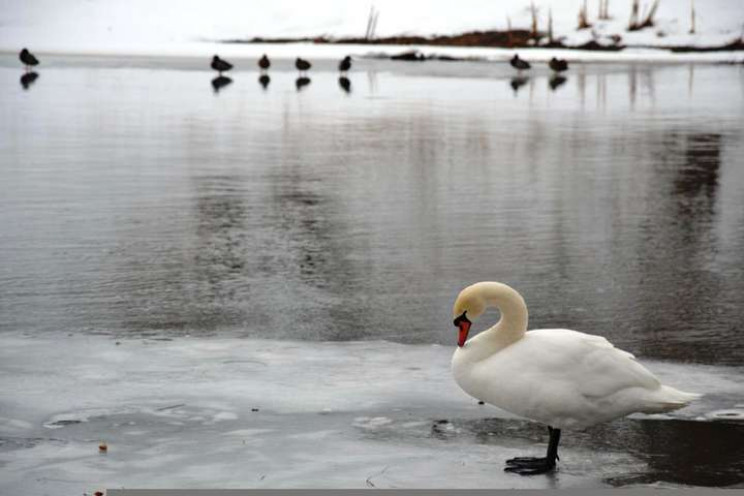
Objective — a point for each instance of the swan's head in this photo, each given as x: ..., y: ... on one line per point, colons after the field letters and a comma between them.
x: 469, y: 305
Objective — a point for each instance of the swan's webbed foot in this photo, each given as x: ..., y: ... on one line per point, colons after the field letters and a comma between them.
x: 528, y: 465
x: 527, y: 459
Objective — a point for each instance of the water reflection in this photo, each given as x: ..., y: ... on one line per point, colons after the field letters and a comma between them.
x: 556, y: 82
x: 345, y: 84
x: 220, y: 262
x: 337, y: 223
x: 699, y: 174
x: 301, y: 82
x: 645, y: 451
x: 581, y: 85
x: 601, y: 81
x: 264, y: 81
x: 221, y: 213
x: 679, y: 243
x: 641, y: 82
x: 220, y: 82
x: 517, y: 82
x: 680, y: 452
x: 648, y: 83
x: 28, y: 78
x: 690, y: 80
x: 372, y: 81
x: 317, y: 251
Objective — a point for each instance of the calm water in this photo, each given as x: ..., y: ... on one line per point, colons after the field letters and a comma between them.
x: 135, y: 199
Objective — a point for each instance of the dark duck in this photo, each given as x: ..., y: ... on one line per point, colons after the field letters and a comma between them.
x: 519, y: 64
x: 558, y: 65
x: 302, y: 65
x: 220, y: 65
x: 28, y: 59
x: 345, y: 64
x: 264, y: 63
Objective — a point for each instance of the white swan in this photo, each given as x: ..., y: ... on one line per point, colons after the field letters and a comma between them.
x: 559, y: 377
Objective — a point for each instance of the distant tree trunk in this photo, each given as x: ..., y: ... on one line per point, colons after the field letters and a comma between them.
x: 648, y: 21
x: 509, y: 32
x: 633, y: 24
x: 550, y: 26
x: 604, y: 9
x: 533, y: 13
x: 371, y: 23
x: 692, y: 16
x: 374, y: 24
x: 583, y: 18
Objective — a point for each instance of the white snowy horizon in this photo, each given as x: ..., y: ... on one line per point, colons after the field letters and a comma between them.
x: 170, y: 26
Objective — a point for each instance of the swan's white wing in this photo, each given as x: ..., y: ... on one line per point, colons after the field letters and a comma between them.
x: 564, y: 378
x: 589, y: 364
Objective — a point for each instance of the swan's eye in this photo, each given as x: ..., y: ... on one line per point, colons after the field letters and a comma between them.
x: 461, y: 318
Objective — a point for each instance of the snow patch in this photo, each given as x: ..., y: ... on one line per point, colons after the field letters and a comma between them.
x: 14, y: 425
x: 726, y: 415
x: 181, y: 417
x: 372, y: 423
x: 171, y: 26
x: 224, y: 416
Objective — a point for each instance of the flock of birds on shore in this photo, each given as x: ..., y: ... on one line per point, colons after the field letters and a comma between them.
x: 264, y: 63
x: 557, y: 66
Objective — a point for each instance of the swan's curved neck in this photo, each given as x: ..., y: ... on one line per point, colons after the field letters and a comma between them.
x: 513, y: 322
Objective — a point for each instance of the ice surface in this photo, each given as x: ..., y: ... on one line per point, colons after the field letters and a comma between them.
x: 231, y: 412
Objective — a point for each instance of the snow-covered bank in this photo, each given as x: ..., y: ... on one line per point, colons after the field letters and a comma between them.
x: 233, y: 412
x: 250, y: 53
x: 169, y: 27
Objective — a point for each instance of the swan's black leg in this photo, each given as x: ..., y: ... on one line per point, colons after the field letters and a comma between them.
x: 526, y: 465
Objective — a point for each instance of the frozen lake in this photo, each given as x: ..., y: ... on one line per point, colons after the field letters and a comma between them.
x: 140, y: 203
x: 253, y: 413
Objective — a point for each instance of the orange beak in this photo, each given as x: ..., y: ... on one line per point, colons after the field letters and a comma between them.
x: 462, y: 336
x: 463, y: 324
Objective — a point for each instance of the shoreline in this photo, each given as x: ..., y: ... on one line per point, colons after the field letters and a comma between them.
x: 334, y: 51
x: 517, y: 39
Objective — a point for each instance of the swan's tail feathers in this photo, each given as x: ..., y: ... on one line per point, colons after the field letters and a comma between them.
x: 667, y: 399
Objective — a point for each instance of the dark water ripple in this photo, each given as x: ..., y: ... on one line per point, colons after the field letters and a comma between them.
x: 137, y: 200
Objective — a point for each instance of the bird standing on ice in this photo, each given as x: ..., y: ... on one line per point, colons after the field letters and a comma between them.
x: 519, y: 64
x: 302, y: 65
x: 344, y: 65
x: 559, y: 377
x: 220, y: 65
x: 28, y: 59
x: 558, y: 65
x: 264, y: 63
